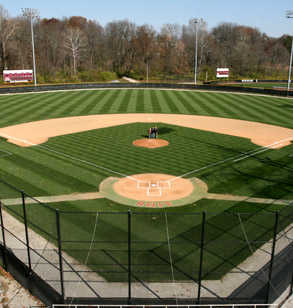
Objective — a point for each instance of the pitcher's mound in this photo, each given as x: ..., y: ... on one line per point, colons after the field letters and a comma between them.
x: 150, y: 143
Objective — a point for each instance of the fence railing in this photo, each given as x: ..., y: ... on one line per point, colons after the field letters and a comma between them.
x: 174, y: 306
x: 179, y: 258
x: 159, y: 85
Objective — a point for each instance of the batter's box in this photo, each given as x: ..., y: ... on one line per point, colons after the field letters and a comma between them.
x: 154, y: 192
x: 164, y: 184
x: 143, y: 184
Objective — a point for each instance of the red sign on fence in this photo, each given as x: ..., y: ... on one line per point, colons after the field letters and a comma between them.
x: 18, y: 76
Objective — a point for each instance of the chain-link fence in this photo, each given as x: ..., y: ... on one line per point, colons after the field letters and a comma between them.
x: 152, y: 257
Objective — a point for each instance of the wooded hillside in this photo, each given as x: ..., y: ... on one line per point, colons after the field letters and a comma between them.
x: 79, y: 50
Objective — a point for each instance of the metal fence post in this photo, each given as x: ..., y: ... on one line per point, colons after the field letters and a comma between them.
x: 60, y: 252
x: 3, y: 239
x: 129, y: 257
x: 291, y: 286
x: 26, y: 231
x: 272, y: 256
x: 201, y: 255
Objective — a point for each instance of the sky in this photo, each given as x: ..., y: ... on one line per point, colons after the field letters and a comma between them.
x: 268, y: 16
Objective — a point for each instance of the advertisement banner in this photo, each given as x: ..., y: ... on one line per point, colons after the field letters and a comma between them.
x: 222, y: 72
x: 13, y: 76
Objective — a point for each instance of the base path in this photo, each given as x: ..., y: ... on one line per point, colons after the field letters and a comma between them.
x: 148, y: 190
x: 33, y: 133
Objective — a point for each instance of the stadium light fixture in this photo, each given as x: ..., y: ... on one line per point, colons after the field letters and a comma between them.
x: 289, y: 14
x: 32, y: 14
x: 195, y: 59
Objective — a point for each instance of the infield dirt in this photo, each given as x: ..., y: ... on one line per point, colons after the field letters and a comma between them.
x: 34, y: 133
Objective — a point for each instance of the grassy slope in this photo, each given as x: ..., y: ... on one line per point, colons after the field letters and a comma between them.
x: 40, y: 172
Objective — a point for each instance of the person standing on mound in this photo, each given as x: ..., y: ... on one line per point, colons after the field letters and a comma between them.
x: 156, y: 132
x: 150, y: 132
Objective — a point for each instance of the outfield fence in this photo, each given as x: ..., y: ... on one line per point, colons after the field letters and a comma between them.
x: 188, y: 258
x: 138, y: 85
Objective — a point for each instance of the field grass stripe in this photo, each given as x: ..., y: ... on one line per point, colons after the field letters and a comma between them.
x: 27, y: 110
x: 50, y: 108
x: 264, y: 108
x: 203, y: 103
x: 214, y: 101
x: 163, y: 103
x: 10, y: 101
x: 249, y: 153
x: 182, y: 105
x: 274, y: 105
x: 90, y: 108
x: 148, y: 103
x: 230, y: 104
x: 112, y: 101
x: 20, y: 106
x: 114, y: 108
x: 243, y: 104
x: 103, y: 100
x: 131, y: 107
x: 124, y: 101
x: 196, y: 103
x: 75, y: 101
x: 243, y: 109
x: 140, y: 102
x: 170, y: 100
x: 156, y: 106
x: 187, y: 107
x: 68, y: 156
x: 78, y: 103
x: 57, y: 107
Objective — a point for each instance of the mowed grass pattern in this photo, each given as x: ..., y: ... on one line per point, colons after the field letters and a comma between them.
x: 38, y: 106
x: 79, y: 162
x: 111, y: 147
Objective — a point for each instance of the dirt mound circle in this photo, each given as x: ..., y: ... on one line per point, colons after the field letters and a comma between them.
x: 153, y: 187
x: 150, y: 143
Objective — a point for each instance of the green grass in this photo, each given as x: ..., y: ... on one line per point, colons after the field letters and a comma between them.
x: 75, y: 163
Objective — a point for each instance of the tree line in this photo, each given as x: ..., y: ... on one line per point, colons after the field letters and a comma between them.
x: 79, y: 50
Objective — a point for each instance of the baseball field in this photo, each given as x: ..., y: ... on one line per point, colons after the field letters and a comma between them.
x: 230, y: 155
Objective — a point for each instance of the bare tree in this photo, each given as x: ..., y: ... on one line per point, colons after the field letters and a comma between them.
x: 7, y: 28
x: 49, y: 45
x: 86, y: 47
x: 94, y: 42
x: 74, y: 45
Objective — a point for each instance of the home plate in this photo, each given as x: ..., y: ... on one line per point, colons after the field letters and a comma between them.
x: 160, y: 187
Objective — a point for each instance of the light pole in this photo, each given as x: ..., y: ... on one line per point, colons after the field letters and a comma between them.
x: 147, y: 71
x: 195, y: 60
x: 32, y: 14
x: 290, y: 15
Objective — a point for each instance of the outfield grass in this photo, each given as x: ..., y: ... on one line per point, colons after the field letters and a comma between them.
x: 41, y: 172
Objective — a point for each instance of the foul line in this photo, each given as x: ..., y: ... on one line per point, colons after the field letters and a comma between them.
x: 7, y: 153
x: 242, y: 156
x: 239, y: 156
x: 68, y: 156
